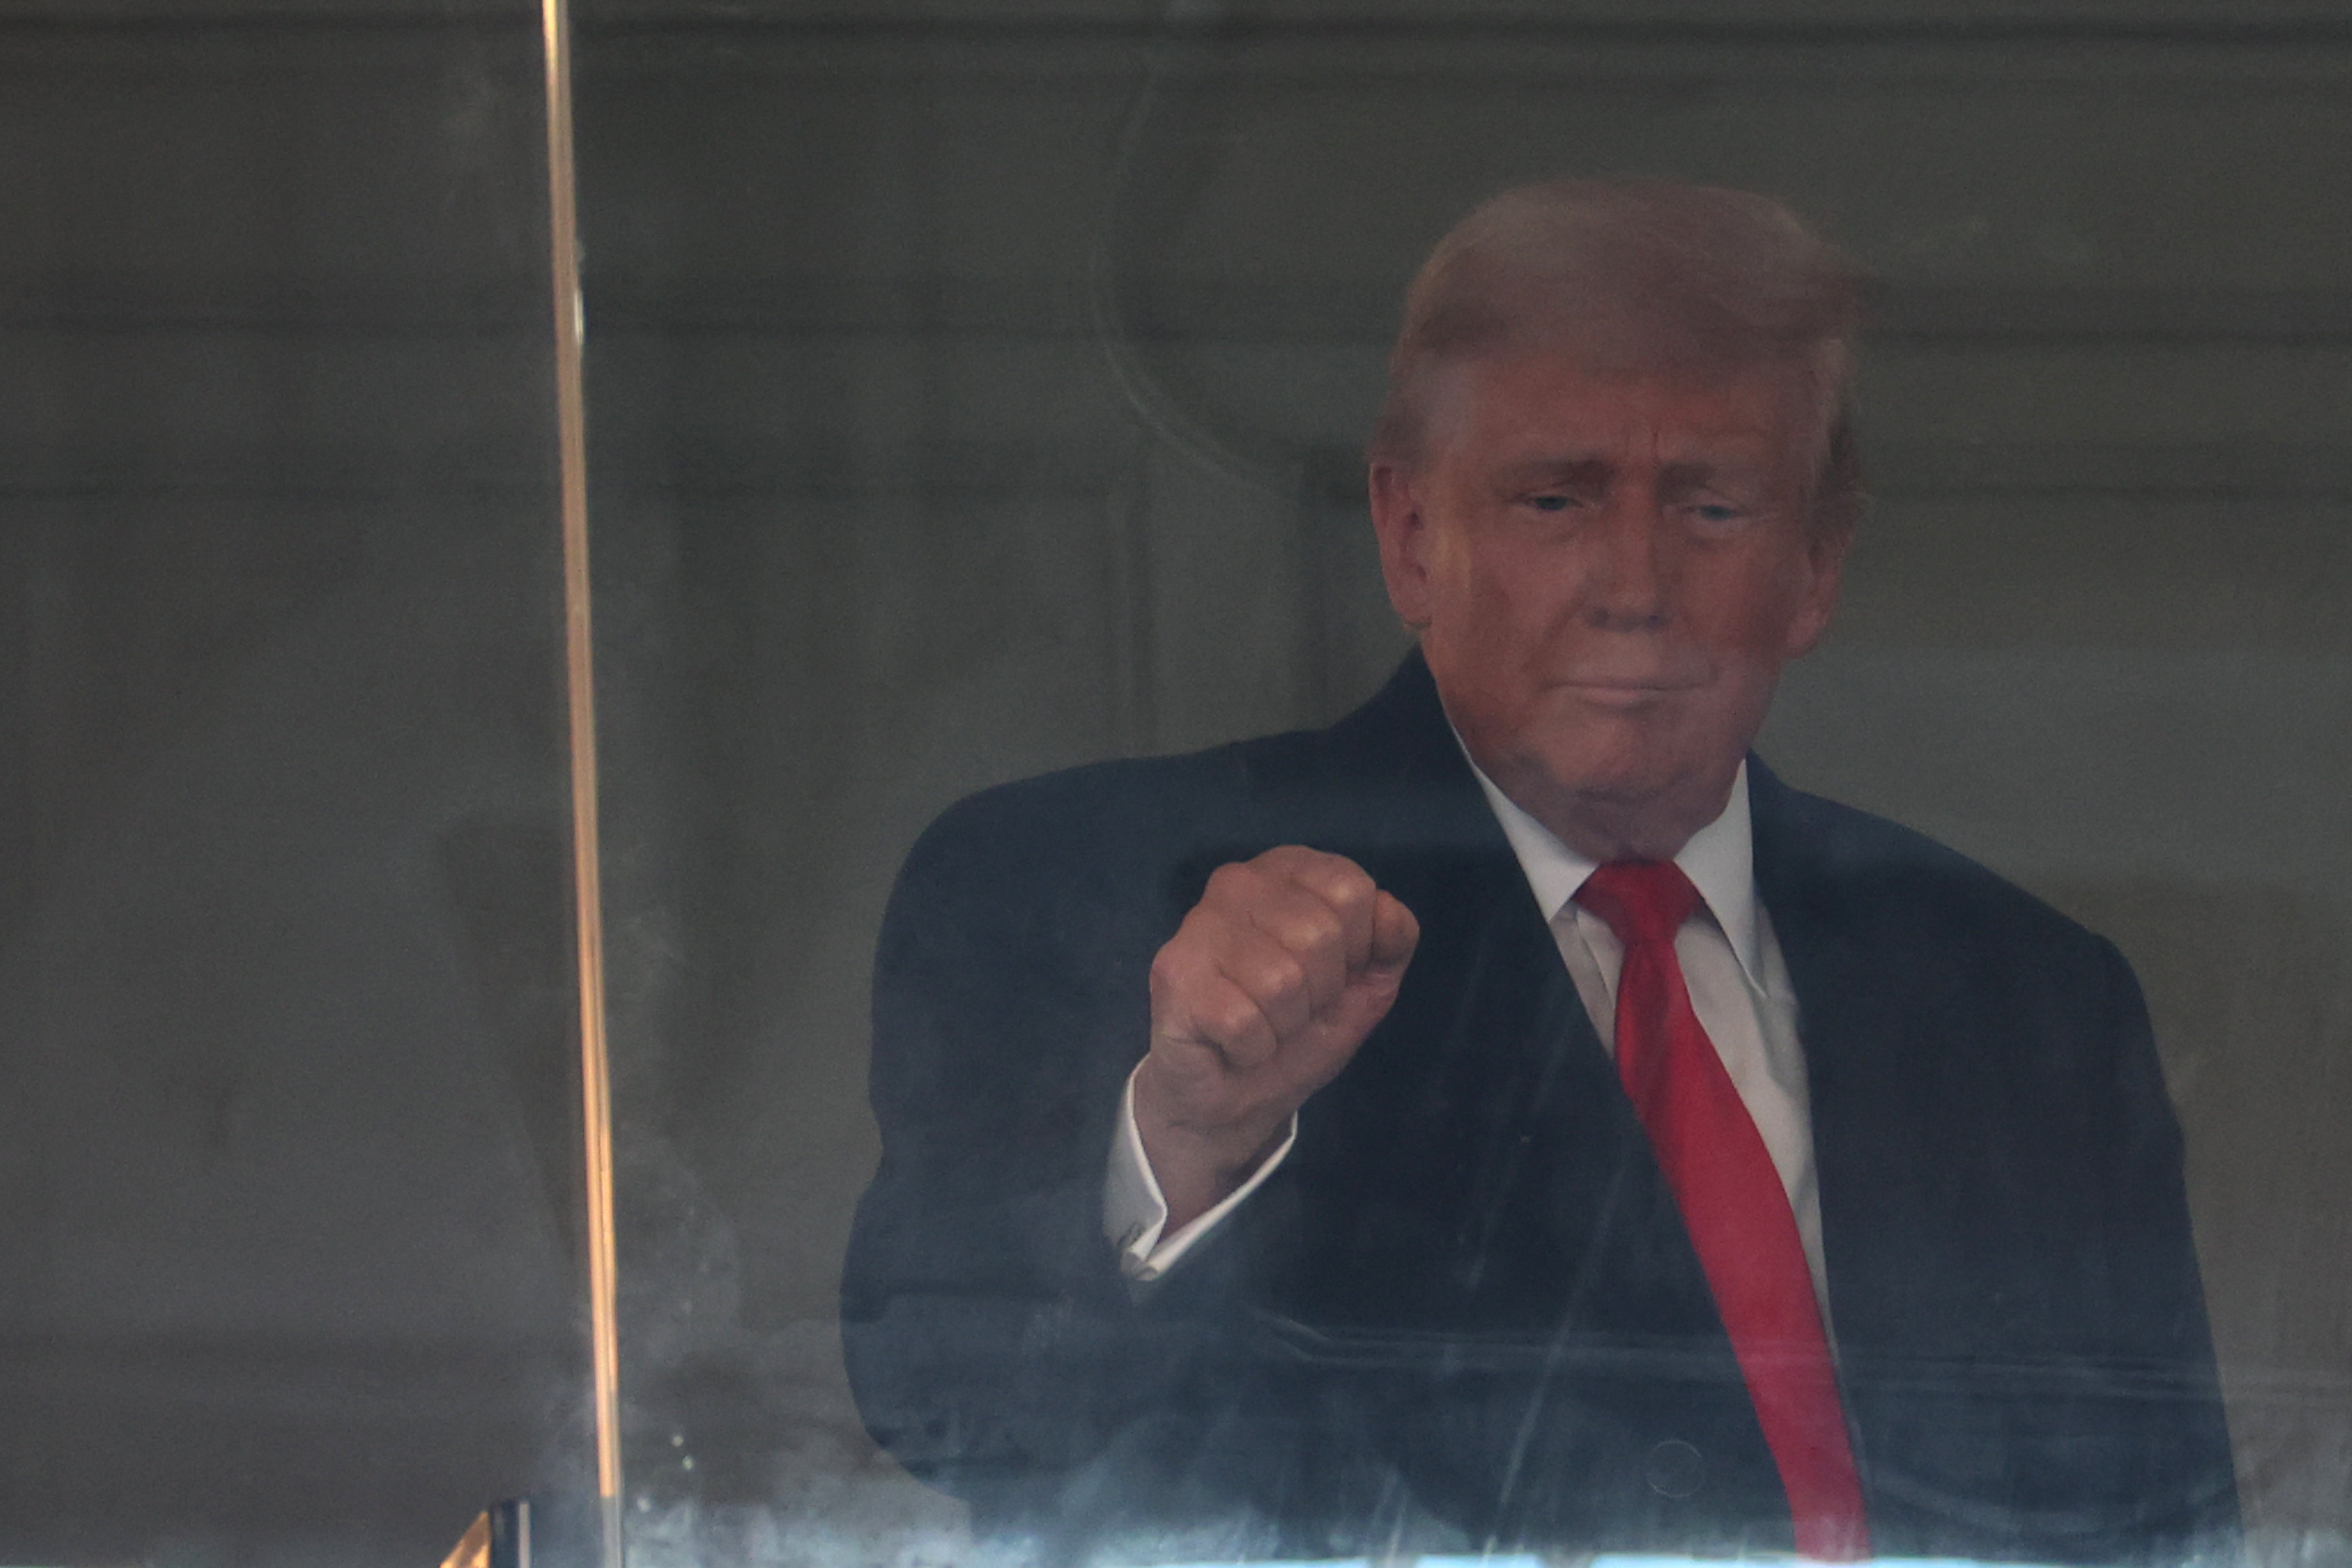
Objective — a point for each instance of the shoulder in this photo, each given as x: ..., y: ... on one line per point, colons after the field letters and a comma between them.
x: 1855, y: 888
x: 1108, y: 852
x: 1837, y: 858
x: 1114, y: 821
x: 1101, y: 815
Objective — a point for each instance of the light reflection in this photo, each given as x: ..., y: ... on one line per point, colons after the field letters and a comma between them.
x: 847, y: 1532
x: 1529, y: 1559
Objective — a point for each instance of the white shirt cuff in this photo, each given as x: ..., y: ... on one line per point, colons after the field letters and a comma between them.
x: 1135, y: 1211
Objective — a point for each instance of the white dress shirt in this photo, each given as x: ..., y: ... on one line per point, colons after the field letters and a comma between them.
x: 1738, y: 987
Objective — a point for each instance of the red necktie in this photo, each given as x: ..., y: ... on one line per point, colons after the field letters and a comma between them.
x: 1732, y: 1205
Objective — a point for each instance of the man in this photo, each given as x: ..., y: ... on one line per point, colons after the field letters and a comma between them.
x: 1512, y: 1112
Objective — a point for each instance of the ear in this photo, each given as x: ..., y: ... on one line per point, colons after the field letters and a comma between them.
x: 1825, y: 575
x: 1402, y: 526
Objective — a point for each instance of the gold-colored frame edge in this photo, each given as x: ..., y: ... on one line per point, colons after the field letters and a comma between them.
x: 595, y: 1064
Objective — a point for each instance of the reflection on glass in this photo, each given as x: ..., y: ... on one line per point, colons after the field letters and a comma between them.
x: 289, y: 1107
x: 977, y: 398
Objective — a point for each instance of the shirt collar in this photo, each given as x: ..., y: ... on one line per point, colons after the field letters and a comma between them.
x: 1719, y: 860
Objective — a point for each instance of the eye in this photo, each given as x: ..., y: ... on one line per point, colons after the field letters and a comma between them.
x: 1717, y: 517
x: 1550, y: 500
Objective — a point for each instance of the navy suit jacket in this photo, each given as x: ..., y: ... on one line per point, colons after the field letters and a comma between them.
x: 1467, y: 1293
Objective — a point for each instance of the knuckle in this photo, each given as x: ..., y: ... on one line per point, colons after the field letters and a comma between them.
x: 1277, y: 975
x: 1234, y: 885
x: 1231, y: 1016
x: 1175, y: 966
x: 1228, y: 875
x: 1342, y: 881
x: 1315, y: 930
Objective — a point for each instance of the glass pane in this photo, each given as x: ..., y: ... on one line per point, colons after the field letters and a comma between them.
x: 977, y: 392
x: 289, y: 1201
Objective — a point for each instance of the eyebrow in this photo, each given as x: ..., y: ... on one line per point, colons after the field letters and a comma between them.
x: 1585, y: 469
x: 1594, y: 468
x: 1684, y: 475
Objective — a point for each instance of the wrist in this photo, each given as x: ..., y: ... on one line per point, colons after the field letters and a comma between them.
x: 1199, y: 1165
x: 1228, y: 1146
x: 1194, y: 1181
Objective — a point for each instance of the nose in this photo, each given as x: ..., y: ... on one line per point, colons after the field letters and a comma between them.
x: 1629, y: 587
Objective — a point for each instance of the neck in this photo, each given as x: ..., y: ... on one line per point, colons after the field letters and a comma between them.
x: 1605, y: 827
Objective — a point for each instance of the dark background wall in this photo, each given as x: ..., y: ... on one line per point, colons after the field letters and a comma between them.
x: 977, y: 389
x: 286, y: 1113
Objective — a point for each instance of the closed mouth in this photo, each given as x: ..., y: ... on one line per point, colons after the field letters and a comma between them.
x: 1629, y: 692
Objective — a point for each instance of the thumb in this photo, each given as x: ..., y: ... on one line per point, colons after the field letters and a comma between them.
x: 1395, y: 933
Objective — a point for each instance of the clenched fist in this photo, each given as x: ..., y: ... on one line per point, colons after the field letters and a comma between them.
x: 1258, y: 1000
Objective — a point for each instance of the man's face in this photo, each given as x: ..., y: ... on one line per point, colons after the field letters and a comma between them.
x: 1608, y: 572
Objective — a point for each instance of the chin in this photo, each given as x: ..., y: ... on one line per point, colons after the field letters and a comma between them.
x: 1612, y: 756
x: 1633, y: 793
x: 1615, y: 780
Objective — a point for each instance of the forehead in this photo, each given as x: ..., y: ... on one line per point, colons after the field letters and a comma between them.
x: 1538, y: 404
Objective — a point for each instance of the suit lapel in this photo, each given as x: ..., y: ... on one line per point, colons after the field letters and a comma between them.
x: 1831, y: 970
x: 1854, y: 994
x: 1877, y: 1119
x: 1481, y: 1130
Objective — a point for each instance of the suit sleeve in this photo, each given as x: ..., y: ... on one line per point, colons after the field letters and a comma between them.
x: 2165, y: 1353
x: 2102, y: 1368
x: 993, y: 1343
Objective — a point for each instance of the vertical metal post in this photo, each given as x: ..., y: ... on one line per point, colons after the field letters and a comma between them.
x: 595, y: 1067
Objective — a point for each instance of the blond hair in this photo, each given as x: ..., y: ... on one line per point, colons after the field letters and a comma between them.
x: 1649, y: 275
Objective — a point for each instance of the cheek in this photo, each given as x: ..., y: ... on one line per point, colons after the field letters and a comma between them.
x: 1765, y: 607
x: 1457, y: 551
x: 1486, y: 625
x: 1501, y: 586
